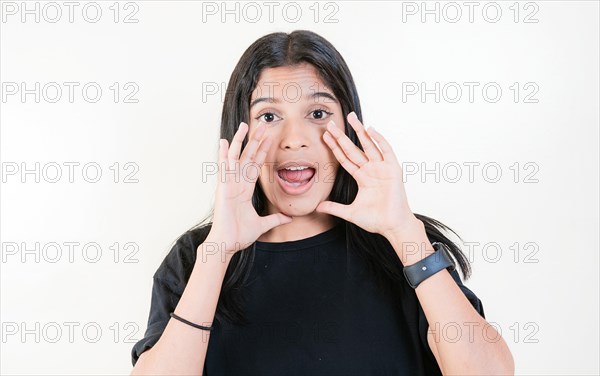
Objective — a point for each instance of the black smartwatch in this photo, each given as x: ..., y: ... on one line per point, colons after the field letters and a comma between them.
x: 438, y: 260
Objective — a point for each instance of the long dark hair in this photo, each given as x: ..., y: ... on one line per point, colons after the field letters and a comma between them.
x: 282, y: 49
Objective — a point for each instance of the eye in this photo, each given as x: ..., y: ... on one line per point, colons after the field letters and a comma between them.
x: 267, y: 117
x: 320, y: 114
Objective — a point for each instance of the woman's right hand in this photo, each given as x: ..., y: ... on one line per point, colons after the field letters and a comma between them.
x: 236, y: 224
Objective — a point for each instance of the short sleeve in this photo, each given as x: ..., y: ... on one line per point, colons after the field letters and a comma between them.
x: 164, y: 300
x: 475, y: 302
x: 169, y: 283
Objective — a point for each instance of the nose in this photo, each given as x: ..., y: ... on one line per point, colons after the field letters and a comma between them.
x: 294, y: 137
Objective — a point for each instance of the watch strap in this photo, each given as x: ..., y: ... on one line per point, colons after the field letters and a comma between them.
x: 425, y: 268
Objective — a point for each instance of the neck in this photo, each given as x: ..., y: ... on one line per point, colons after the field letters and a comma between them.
x: 300, y: 228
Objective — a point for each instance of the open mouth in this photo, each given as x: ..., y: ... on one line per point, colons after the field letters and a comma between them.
x: 296, y: 176
x: 296, y: 180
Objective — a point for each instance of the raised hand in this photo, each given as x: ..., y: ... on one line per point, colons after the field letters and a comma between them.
x: 381, y: 205
x: 236, y: 224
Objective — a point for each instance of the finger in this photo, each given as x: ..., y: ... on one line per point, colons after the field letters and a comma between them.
x: 253, y: 144
x: 262, y: 151
x: 236, y: 143
x: 270, y: 221
x: 339, y: 154
x: 222, y: 160
x: 386, y: 148
x: 352, y: 151
x: 367, y: 143
x: 335, y: 208
x: 252, y: 168
x: 222, y: 151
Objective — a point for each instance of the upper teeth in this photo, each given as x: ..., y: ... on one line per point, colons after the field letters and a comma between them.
x: 296, y: 168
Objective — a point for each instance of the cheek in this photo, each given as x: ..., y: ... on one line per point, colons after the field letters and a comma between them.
x: 266, y: 178
x: 327, y: 155
x: 329, y: 173
x: 338, y: 119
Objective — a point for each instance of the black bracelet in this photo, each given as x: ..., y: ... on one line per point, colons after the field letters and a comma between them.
x: 173, y: 315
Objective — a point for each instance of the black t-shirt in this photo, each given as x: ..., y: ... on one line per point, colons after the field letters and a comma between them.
x: 313, y: 310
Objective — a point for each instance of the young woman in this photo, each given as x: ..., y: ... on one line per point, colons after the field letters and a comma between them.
x: 305, y: 266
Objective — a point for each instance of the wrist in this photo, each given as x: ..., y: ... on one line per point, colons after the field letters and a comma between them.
x: 214, y: 251
x: 415, y: 251
x: 410, y: 241
x: 403, y: 228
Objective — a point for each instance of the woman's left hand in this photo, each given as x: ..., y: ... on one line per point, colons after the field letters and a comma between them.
x: 380, y: 205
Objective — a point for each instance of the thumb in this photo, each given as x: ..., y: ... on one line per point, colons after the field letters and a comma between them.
x: 334, y: 208
x: 273, y: 220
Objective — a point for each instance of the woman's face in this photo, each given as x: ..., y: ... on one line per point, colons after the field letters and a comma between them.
x: 300, y: 169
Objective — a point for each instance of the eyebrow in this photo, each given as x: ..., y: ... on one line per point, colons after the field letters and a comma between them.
x: 317, y: 94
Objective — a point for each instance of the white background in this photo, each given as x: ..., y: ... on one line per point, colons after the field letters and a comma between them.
x: 546, y: 305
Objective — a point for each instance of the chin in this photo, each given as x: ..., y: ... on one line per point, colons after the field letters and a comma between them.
x: 298, y: 209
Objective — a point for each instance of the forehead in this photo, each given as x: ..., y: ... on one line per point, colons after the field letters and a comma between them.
x: 280, y: 81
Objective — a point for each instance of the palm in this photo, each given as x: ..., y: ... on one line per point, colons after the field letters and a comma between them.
x: 380, y: 204
x: 235, y: 222
x: 375, y: 182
